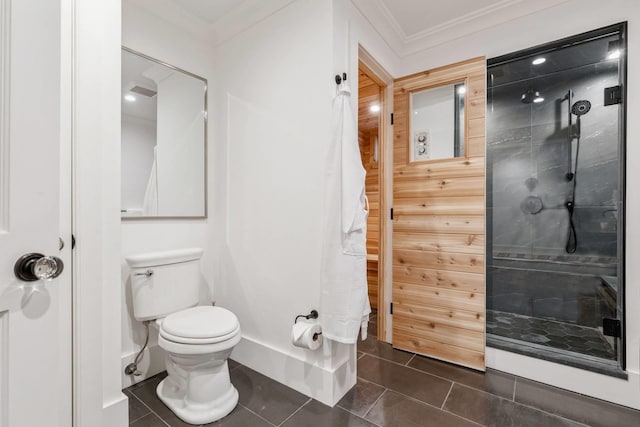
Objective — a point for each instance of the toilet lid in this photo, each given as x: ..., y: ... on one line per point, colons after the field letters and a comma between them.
x: 201, y: 322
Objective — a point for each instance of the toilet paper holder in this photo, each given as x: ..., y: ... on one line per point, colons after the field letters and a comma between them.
x: 312, y: 315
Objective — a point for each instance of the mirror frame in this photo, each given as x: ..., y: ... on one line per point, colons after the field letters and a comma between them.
x: 464, y: 123
x: 206, y: 140
x: 464, y: 79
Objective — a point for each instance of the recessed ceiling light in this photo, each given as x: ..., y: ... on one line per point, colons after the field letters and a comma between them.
x: 614, y: 54
x: 614, y: 49
x: 539, y: 61
x: 129, y: 98
x: 374, y: 108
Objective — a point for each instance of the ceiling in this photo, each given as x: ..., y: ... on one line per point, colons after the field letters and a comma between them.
x: 211, y: 21
x: 409, y: 26
x: 208, y: 10
x: 134, y: 71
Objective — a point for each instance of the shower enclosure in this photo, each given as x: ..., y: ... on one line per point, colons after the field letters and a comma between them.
x: 555, y: 201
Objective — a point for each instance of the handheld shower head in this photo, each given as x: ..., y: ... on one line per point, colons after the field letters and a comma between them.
x: 580, y: 108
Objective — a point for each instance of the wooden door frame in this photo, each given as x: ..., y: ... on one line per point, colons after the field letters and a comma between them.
x: 385, y: 166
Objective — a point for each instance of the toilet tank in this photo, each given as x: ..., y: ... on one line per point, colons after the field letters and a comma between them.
x: 164, y: 282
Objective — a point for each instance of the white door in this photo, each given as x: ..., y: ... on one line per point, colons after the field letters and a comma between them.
x: 35, y: 317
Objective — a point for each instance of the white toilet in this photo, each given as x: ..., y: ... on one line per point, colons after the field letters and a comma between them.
x: 198, y: 339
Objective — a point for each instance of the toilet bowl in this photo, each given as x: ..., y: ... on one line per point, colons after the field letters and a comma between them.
x: 198, y: 340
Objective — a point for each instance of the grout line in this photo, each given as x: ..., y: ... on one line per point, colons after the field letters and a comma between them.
x: 409, y: 361
x: 374, y: 403
x: 515, y: 384
x: 356, y: 415
x: 528, y: 406
x: 131, y: 396
x: 151, y: 411
x: 257, y: 415
x: 420, y: 402
x: 296, y: 411
x: 414, y: 369
x: 445, y: 399
x: 152, y: 415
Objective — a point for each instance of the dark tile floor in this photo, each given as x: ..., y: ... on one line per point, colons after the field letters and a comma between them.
x: 401, y: 389
x: 561, y: 335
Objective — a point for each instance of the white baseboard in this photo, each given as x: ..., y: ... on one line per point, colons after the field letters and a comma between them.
x: 328, y: 385
x: 615, y: 390
x: 116, y: 413
x: 152, y: 363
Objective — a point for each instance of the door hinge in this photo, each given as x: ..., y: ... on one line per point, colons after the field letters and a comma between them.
x: 391, y: 308
x: 391, y: 214
x: 391, y: 118
x: 611, y: 327
x: 73, y: 241
x: 612, y: 95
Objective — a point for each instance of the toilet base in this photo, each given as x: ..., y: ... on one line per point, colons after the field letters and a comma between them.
x: 173, y: 396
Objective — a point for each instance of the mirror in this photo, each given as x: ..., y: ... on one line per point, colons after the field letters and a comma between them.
x: 164, y: 131
x: 437, y: 123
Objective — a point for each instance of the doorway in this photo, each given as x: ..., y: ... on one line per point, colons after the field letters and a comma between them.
x: 373, y: 106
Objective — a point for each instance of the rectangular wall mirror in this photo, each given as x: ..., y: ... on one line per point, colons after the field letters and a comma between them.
x: 437, y: 123
x: 164, y: 133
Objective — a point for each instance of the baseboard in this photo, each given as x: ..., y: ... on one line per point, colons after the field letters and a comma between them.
x: 328, y: 384
x: 152, y: 363
x: 624, y: 392
x: 116, y: 413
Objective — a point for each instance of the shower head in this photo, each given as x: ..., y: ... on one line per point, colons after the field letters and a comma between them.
x: 580, y: 108
x: 531, y: 96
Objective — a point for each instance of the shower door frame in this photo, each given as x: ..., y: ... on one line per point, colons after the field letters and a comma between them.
x: 622, y: 29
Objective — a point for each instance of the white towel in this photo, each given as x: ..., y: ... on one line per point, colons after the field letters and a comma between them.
x: 344, y: 306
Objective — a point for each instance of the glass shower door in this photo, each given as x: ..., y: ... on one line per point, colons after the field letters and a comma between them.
x: 555, y: 191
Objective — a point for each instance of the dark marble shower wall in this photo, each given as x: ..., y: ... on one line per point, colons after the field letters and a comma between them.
x: 527, y: 148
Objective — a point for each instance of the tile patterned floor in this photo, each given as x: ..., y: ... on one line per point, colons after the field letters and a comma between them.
x: 401, y: 389
x: 561, y: 335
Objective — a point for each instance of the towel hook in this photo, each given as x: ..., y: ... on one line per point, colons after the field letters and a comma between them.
x: 341, y: 79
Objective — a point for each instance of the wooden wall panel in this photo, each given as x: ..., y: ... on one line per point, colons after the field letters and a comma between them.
x: 439, y: 229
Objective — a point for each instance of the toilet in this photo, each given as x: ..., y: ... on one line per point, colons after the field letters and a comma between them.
x: 197, y: 339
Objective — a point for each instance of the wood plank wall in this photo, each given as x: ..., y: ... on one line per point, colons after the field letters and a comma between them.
x: 439, y: 230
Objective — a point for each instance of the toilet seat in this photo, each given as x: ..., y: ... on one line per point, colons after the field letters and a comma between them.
x: 199, y: 330
x: 206, y: 323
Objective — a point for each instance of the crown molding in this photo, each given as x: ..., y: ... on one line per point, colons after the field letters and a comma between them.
x: 377, y: 13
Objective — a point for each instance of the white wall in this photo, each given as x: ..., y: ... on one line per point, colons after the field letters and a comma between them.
x: 152, y: 36
x: 138, y: 141
x: 272, y: 107
x: 538, y: 28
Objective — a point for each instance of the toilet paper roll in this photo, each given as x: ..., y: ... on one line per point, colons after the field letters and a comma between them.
x: 302, y: 335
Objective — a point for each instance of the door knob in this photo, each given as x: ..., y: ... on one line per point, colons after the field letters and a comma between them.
x: 34, y: 266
